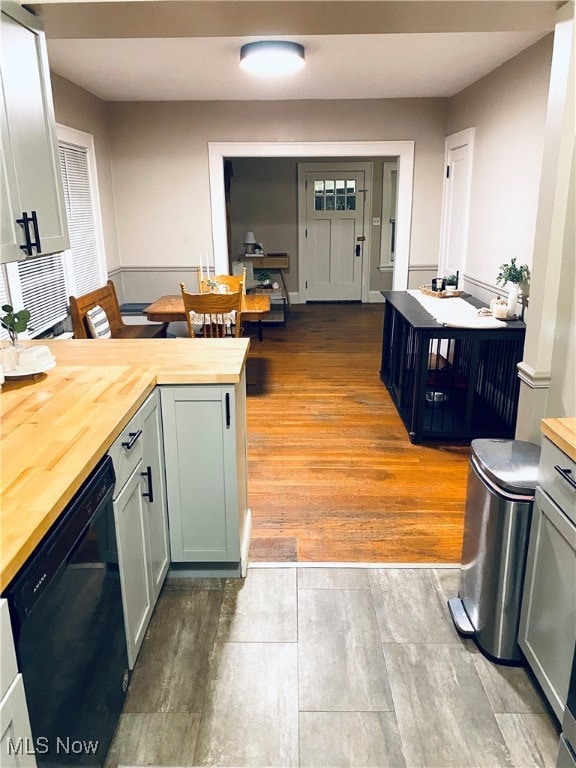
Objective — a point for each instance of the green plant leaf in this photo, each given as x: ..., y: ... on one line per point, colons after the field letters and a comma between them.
x: 15, y: 322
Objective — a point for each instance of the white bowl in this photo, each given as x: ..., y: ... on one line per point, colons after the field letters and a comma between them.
x: 436, y: 398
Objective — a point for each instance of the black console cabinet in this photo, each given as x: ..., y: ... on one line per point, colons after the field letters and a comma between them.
x: 450, y: 383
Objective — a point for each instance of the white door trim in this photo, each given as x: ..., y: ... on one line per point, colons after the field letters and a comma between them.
x: 303, y: 168
x: 463, y: 138
x: 403, y: 150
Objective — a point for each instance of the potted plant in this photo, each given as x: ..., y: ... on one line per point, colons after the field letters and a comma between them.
x: 264, y: 277
x: 451, y: 282
x: 14, y: 322
x: 512, y: 275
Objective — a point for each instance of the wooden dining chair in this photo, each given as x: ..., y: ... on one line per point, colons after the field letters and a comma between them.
x: 232, y: 282
x: 215, y: 315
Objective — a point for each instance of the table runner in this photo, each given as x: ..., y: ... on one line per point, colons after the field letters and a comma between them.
x: 455, y: 312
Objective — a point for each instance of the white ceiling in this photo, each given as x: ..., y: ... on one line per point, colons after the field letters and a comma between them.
x: 341, y: 66
x: 165, y: 50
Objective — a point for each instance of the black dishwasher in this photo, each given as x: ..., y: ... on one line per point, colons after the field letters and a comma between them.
x: 68, y: 625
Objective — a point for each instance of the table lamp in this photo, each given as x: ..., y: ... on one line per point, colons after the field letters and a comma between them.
x: 249, y: 242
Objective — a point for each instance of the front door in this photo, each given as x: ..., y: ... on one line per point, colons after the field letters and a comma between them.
x: 334, y: 241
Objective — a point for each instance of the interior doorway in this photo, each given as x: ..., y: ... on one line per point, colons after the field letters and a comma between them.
x: 456, y: 202
x: 218, y: 152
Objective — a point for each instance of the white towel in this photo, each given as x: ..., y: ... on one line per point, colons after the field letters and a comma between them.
x: 455, y: 312
x: 228, y: 319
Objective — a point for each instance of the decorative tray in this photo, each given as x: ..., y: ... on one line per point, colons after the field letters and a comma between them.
x: 447, y: 294
x: 22, y: 374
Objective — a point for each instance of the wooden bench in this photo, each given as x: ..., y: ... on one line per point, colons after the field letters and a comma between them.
x: 107, y: 299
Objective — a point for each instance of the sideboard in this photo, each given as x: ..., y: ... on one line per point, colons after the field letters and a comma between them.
x: 450, y: 383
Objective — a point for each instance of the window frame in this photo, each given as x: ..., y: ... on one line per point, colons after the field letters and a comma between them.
x: 86, y: 140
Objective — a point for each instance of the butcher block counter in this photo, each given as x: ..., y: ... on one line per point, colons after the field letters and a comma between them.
x: 562, y: 432
x: 56, y: 426
x: 179, y: 361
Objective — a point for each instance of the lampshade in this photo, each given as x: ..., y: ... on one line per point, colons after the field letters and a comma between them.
x: 249, y: 238
x: 272, y: 57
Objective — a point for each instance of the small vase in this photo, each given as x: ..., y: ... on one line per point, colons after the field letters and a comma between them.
x: 512, y: 301
x: 9, y: 358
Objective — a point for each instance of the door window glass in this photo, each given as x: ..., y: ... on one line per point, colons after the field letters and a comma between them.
x: 338, y: 195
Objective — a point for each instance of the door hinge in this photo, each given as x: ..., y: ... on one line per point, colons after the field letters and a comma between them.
x: 447, y: 171
x: 306, y: 232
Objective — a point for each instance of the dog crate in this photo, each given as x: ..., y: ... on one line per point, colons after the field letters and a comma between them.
x: 450, y: 383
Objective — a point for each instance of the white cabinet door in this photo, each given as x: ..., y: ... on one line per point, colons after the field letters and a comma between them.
x: 16, y: 744
x: 204, y: 443
x: 133, y: 562
x: 154, y: 492
x: 32, y: 186
x: 548, y: 617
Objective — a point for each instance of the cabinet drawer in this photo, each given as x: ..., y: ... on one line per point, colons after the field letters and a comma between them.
x: 126, y: 452
x: 8, y: 666
x: 551, y: 480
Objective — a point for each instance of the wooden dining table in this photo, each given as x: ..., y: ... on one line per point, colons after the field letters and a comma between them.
x: 170, y: 309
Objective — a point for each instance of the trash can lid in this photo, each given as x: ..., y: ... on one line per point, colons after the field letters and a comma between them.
x: 510, y: 464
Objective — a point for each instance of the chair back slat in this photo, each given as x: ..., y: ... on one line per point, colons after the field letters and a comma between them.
x: 212, y: 312
x: 232, y: 282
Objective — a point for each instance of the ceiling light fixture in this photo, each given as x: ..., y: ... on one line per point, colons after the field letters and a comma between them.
x: 272, y: 57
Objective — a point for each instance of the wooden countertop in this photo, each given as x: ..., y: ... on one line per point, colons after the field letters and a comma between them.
x: 179, y: 361
x: 562, y: 432
x: 55, y: 427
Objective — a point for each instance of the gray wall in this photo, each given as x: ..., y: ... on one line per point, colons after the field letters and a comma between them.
x: 160, y: 164
x: 508, y: 110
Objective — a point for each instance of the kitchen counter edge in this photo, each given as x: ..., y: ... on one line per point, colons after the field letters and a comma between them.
x: 562, y: 432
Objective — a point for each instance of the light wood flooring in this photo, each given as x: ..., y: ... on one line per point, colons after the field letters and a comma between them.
x: 333, y: 476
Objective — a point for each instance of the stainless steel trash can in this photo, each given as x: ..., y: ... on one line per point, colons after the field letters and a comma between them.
x: 502, y: 478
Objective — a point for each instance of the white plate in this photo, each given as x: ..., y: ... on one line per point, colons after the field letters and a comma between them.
x: 16, y: 374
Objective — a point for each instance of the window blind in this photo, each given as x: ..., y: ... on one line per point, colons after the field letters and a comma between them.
x: 3, y: 300
x: 44, y: 291
x: 83, y: 251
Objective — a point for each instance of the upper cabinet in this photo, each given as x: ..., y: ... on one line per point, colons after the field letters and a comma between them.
x: 33, y: 215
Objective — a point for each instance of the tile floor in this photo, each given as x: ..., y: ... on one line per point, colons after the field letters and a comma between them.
x: 324, y: 668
